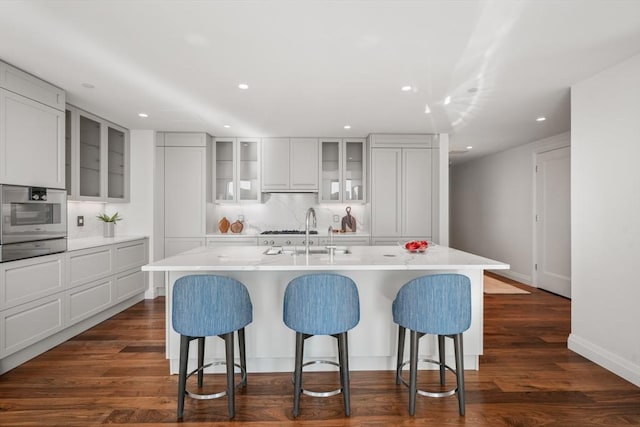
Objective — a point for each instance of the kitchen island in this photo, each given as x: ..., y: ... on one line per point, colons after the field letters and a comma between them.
x: 378, y: 271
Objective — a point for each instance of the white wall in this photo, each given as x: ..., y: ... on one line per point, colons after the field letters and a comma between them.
x: 491, y: 206
x: 605, y: 232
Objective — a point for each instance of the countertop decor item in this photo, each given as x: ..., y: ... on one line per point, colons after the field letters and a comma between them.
x: 223, y: 225
x: 237, y: 226
x: 109, y: 228
x: 349, y: 221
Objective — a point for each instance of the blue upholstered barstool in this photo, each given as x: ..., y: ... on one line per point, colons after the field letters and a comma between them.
x: 208, y: 305
x: 321, y: 304
x: 440, y: 305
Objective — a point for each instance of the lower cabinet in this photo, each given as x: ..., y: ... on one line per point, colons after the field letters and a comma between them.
x: 42, y: 298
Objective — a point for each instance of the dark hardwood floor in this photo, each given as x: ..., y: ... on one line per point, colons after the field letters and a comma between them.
x: 116, y: 374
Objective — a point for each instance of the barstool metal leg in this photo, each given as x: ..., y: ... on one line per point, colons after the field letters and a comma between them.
x: 413, y: 372
x: 457, y: 343
x: 441, y: 358
x: 182, y: 377
x: 200, y: 361
x: 343, y: 356
x: 228, y: 343
x: 243, y: 355
x: 400, y: 359
x: 297, y: 375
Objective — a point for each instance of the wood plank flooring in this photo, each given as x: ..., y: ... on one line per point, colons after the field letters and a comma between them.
x: 116, y: 374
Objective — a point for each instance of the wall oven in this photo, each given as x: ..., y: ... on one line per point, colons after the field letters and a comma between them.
x: 34, y: 222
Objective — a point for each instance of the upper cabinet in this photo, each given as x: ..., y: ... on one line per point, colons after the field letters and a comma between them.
x: 403, y: 186
x: 289, y: 164
x: 32, y: 126
x: 236, y: 171
x: 342, y: 170
x: 97, y: 158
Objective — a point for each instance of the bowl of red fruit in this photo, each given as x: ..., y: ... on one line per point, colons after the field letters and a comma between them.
x: 414, y: 246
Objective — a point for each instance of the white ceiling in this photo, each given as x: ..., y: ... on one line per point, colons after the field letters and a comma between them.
x: 315, y: 66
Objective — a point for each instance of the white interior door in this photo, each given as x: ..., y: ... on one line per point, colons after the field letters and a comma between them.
x: 553, y: 221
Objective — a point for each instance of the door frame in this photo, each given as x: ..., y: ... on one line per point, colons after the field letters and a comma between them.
x: 554, y: 144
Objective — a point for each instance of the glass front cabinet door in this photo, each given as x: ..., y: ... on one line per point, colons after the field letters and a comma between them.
x: 237, y: 170
x: 97, y: 158
x: 342, y: 170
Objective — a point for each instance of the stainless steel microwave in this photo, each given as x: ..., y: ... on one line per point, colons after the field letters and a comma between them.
x: 34, y: 221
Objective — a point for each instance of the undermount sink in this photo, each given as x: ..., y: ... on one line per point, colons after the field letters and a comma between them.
x: 295, y: 250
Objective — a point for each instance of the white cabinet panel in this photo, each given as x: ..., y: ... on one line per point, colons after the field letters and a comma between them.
x: 401, y: 193
x: 130, y: 255
x: 185, y: 191
x: 17, y: 81
x: 26, y: 280
x: 303, y: 167
x: 185, y: 139
x: 275, y: 164
x: 89, y: 264
x: 386, y: 181
x: 26, y: 324
x: 32, y: 149
x: 175, y: 246
x: 290, y: 164
x: 129, y: 284
x: 416, y: 192
x: 87, y: 300
x: 234, y: 241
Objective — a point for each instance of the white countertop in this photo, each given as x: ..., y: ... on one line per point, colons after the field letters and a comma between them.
x: 248, y: 258
x: 235, y: 235
x: 95, y: 241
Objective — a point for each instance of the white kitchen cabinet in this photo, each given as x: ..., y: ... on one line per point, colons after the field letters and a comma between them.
x: 97, y: 158
x: 26, y: 324
x: 236, y: 175
x: 32, y: 149
x: 185, y: 189
x: 28, y: 279
x: 231, y: 241
x: 17, y: 81
x: 42, y: 297
x: 342, y: 170
x: 401, y: 189
x: 175, y: 246
x: 344, y: 240
x: 290, y: 164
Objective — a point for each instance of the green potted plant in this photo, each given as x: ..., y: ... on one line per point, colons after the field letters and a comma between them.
x: 109, y: 223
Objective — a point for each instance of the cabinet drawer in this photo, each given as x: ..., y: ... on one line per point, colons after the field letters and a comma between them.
x: 130, y: 255
x: 87, y: 300
x: 130, y: 284
x: 88, y: 265
x: 26, y: 280
x: 27, y: 324
x: 25, y: 84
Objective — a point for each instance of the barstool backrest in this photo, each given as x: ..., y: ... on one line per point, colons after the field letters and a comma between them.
x: 321, y: 304
x: 209, y: 305
x: 438, y: 304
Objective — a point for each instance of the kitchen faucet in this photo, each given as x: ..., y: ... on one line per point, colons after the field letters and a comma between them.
x: 310, y: 212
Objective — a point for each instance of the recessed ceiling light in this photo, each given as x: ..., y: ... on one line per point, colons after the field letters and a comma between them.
x: 226, y: 126
x: 472, y: 89
x: 447, y: 100
x: 427, y: 110
x: 243, y: 86
x: 144, y: 115
x: 541, y: 119
x: 88, y: 85
x: 406, y: 88
x: 469, y: 147
x: 347, y: 126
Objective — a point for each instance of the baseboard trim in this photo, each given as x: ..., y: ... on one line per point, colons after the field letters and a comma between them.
x: 509, y: 274
x: 610, y: 361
